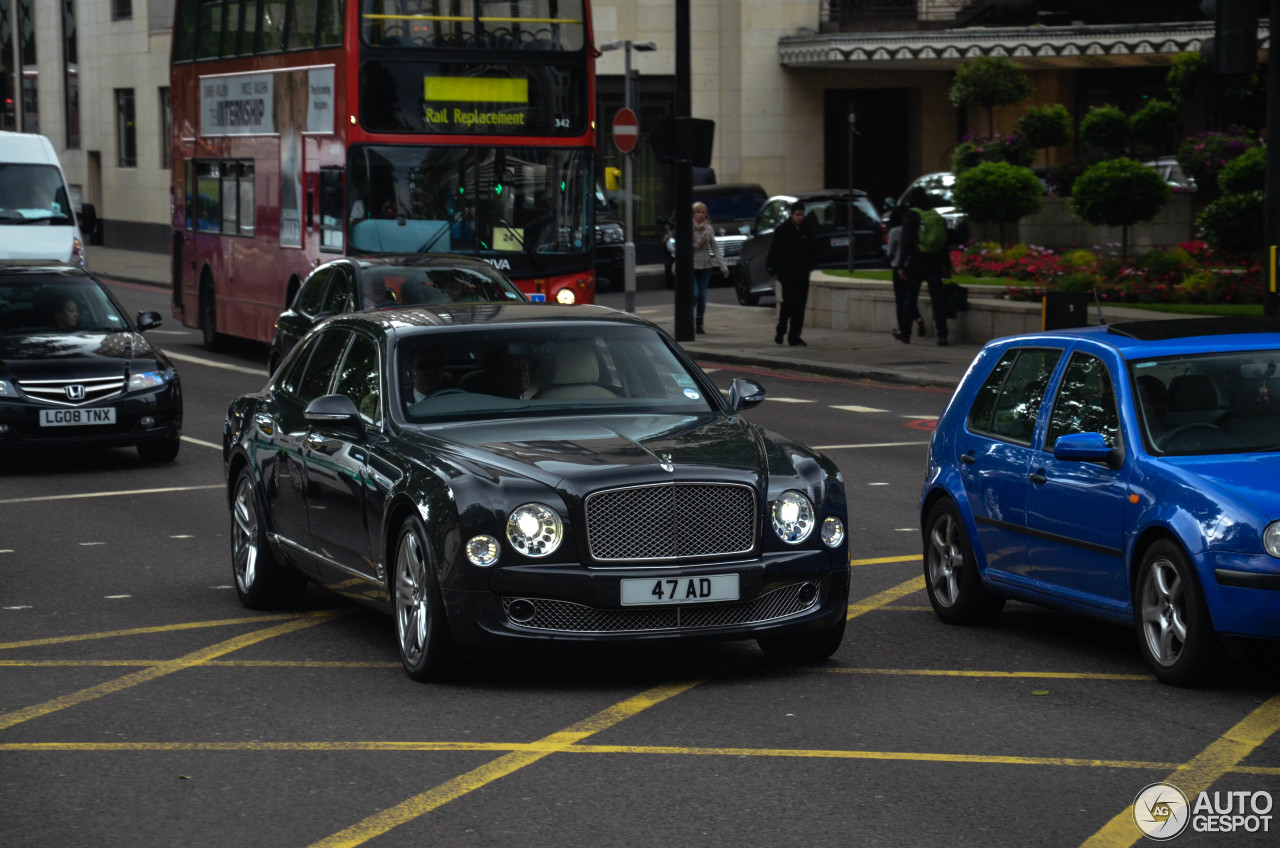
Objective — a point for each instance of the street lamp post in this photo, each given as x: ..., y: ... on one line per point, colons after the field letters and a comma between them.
x: 629, y: 247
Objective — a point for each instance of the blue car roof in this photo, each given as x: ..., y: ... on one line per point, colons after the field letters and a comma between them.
x: 1167, y: 337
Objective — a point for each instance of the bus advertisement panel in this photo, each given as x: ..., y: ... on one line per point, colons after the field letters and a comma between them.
x: 310, y: 128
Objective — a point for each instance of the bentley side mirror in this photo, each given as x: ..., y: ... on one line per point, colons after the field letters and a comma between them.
x: 744, y: 394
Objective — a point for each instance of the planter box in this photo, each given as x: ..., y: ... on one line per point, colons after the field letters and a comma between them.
x: 1055, y: 226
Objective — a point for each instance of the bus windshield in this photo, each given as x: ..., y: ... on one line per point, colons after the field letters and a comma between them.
x: 472, y: 200
x: 471, y: 24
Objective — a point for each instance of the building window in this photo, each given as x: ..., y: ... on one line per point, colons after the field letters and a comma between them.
x: 71, y: 75
x: 27, y: 62
x: 121, y: 10
x: 166, y: 129
x: 126, y: 129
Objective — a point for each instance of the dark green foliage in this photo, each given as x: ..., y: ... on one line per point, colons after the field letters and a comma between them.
x: 1106, y: 128
x: 974, y: 151
x: 1233, y: 223
x: 1245, y: 173
x: 989, y: 81
x: 998, y: 191
x: 1046, y: 126
x: 1190, y: 79
x: 1203, y: 156
x: 1118, y: 192
x: 1062, y: 176
x: 1157, y: 125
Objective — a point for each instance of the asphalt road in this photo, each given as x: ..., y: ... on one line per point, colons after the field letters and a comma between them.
x: 141, y: 705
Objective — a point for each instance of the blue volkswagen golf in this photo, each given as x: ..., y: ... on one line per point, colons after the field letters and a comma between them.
x: 1130, y: 472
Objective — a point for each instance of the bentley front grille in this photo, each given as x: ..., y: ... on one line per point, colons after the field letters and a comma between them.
x: 567, y: 617
x: 75, y: 392
x: 671, y: 521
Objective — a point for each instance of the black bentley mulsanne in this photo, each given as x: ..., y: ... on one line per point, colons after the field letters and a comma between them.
x: 500, y: 473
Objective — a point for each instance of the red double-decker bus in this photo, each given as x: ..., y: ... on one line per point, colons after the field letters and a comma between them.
x: 310, y: 128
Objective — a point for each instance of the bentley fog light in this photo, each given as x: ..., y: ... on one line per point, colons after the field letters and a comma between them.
x: 1271, y: 538
x: 832, y: 531
x: 534, y: 530
x: 482, y: 550
x: 792, y: 517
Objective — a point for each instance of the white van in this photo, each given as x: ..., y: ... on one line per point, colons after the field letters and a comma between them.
x: 36, y: 218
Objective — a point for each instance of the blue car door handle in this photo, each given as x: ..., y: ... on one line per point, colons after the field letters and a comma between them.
x: 968, y: 458
x: 1037, y: 476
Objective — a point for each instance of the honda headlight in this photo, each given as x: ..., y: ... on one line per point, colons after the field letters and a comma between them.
x: 609, y: 234
x: 1271, y: 538
x: 148, y: 380
x: 534, y: 530
x: 8, y: 389
x: 792, y: 517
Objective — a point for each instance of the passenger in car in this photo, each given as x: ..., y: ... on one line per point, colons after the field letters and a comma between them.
x: 66, y: 314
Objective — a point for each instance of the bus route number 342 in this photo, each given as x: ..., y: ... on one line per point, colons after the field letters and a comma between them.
x: 680, y: 590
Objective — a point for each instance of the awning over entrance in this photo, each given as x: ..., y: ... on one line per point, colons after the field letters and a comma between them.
x: 1119, y: 45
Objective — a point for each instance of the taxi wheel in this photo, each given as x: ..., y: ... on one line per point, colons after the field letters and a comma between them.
x: 427, y: 649
x: 261, y: 581
x: 951, y: 573
x: 1175, y: 632
x: 159, y: 450
x: 810, y: 647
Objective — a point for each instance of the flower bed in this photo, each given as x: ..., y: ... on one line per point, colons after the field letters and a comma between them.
x: 1188, y: 273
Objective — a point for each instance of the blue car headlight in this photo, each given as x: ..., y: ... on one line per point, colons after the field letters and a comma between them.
x: 1271, y: 538
x: 148, y: 380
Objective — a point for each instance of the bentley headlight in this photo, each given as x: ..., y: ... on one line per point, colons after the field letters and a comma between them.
x: 832, y: 531
x: 148, y: 380
x: 1271, y: 538
x: 534, y: 530
x: 792, y: 517
x: 482, y: 550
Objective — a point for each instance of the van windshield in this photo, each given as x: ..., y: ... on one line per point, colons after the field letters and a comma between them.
x: 32, y: 194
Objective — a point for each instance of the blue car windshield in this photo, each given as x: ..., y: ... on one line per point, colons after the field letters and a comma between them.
x: 1209, y: 403
x: 548, y: 369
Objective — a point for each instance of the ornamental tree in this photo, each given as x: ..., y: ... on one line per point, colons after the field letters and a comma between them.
x: 989, y: 81
x: 998, y: 191
x: 1046, y: 126
x: 1117, y: 193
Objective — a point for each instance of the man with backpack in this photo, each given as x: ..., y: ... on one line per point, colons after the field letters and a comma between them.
x: 924, y: 256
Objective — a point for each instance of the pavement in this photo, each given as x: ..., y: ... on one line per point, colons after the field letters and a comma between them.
x: 736, y: 335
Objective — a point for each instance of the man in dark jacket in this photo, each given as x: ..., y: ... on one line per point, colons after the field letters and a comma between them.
x: 790, y: 259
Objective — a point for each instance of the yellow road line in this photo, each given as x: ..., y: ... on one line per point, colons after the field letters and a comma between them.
x: 406, y: 811
x: 953, y: 672
x: 1222, y: 757
x: 888, y: 596
x: 882, y: 560
x: 195, y: 658
x: 139, y: 631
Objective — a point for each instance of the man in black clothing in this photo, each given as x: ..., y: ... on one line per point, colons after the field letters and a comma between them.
x: 789, y: 261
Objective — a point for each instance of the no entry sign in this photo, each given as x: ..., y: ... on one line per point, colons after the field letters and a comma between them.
x: 626, y: 130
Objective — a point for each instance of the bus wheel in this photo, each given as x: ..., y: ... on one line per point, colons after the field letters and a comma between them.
x: 209, y: 318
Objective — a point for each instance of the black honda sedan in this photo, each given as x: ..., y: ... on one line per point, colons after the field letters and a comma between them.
x: 364, y: 282
x: 507, y: 474
x: 74, y: 370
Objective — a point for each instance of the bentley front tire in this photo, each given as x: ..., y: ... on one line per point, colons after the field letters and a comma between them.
x: 427, y: 649
x: 262, y: 582
x: 813, y: 646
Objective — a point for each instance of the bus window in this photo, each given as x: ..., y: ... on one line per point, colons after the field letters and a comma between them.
x: 494, y: 24
x: 208, y: 197
x: 331, y: 208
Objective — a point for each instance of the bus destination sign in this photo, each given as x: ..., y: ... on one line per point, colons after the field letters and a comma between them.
x: 475, y: 104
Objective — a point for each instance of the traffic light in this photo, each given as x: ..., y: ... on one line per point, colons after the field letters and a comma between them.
x: 1234, y: 46
x: 611, y: 177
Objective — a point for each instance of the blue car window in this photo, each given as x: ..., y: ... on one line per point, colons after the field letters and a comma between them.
x: 1009, y: 401
x: 1085, y: 402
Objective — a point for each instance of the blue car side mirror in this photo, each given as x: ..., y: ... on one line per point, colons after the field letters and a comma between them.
x: 1085, y: 447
